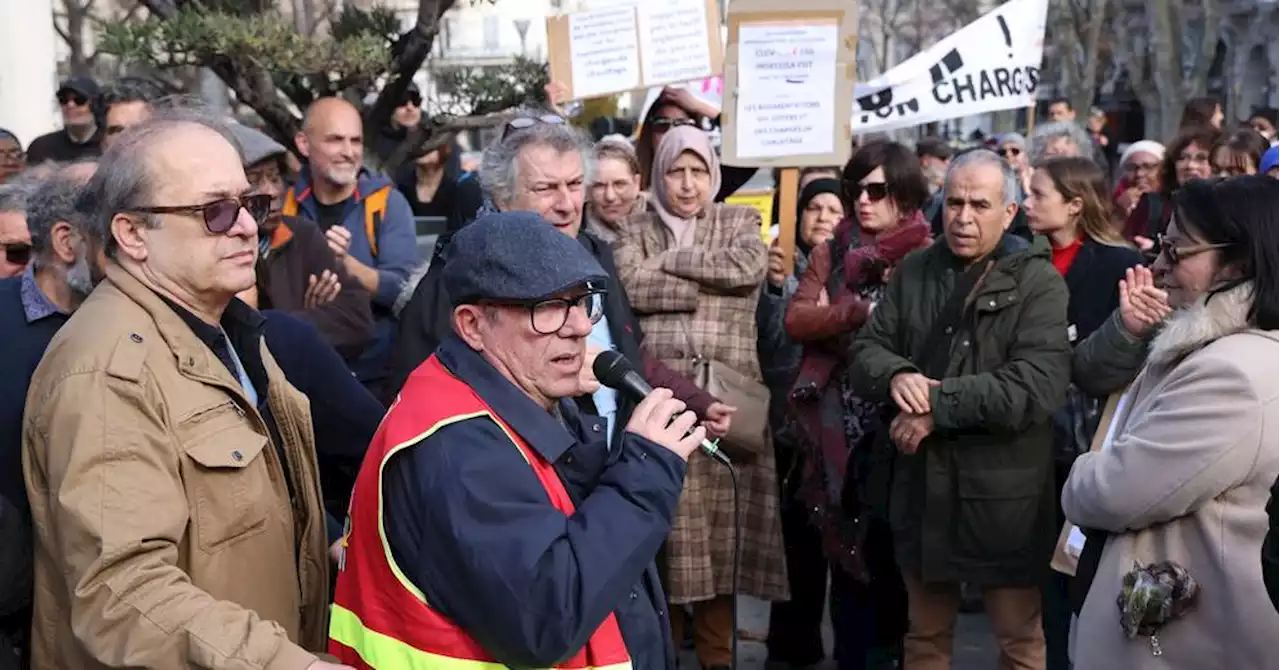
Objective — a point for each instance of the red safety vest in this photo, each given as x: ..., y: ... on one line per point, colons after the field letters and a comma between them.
x: 380, y: 620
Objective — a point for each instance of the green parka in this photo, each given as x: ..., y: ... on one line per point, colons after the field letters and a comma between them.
x: 976, y: 502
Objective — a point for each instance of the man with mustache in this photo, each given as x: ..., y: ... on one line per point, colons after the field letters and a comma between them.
x: 490, y: 523
x: 170, y: 467
x: 367, y: 222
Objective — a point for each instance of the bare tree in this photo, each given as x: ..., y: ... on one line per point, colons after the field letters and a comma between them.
x: 1168, y: 47
x: 1079, y: 46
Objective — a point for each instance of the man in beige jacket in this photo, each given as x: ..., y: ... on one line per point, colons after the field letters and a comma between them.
x: 170, y: 467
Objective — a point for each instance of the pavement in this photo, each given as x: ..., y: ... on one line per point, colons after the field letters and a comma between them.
x: 975, y: 647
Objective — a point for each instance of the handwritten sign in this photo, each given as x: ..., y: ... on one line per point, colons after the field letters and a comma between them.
x: 673, y: 40
x: 650, y: 44
x: 786, y: 76
x: 789, y: 78
x: 603, y: 48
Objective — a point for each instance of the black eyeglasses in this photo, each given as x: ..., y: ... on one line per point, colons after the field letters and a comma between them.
x: 522, y: 122
x: 1009, y: 152
x: 876, y: 191
x: 220, y: 215
x: 72, y: 96
x: 664, y: 123
x: 1177, y: 254
x: 548, y: 316
x: 17, y: 253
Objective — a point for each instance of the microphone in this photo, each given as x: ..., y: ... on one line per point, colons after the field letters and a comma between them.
x: 613, y: 369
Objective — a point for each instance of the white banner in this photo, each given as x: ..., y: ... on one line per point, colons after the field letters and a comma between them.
x: 989, y: 65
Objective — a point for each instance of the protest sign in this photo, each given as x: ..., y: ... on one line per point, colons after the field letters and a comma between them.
x: 989, y: 65
x: 788, y: 75
x: 613, y: 49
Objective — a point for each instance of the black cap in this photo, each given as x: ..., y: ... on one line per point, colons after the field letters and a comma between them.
x: 82, y: 85
x: 516, y: 257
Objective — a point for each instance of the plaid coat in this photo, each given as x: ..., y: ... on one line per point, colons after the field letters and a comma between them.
x: 701, y: 300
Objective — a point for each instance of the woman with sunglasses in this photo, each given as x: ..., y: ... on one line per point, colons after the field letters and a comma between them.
x: 884, y: 189
x: 693, y: 270
x: 677, y: 108
x: 1186, y: 468
x: 1186, y: 158
x: 1067, y: 203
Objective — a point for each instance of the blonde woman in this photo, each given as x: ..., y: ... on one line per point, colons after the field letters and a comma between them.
x: 693, y: 270
x: 615, y: 194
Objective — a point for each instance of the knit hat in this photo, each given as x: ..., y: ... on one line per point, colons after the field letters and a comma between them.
x: 1142, y: 147
x: 255, y: 145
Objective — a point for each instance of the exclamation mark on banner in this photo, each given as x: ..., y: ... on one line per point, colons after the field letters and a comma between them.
x: 1008, y: 39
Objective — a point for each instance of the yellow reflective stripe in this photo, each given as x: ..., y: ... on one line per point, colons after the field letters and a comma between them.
x: 383, y: 652
x: 382, y: 531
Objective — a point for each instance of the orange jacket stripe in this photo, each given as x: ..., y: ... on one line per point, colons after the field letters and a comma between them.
x: 380, y: 620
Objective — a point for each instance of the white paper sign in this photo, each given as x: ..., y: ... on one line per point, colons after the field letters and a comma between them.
x: 989, y: 65
x: 786, y: 81
x: 673, y: 40
x: 603, y: 49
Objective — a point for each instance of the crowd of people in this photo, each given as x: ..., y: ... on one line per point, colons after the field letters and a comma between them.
x: 246, y: 423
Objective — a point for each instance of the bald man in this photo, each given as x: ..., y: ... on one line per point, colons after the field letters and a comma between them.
x: 368, y: 224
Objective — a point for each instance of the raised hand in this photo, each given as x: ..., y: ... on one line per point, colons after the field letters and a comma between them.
x: 1142, y: 305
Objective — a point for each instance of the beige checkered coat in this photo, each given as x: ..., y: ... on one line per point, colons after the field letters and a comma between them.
x: 708, y: 293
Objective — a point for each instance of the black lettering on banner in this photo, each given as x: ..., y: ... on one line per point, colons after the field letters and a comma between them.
x: 1033, y: 78
x: 875, y: 102
x: 1008, y: 38
x: 1015, y: 80
x: 1002, y: 82
x: 962, y: 85
x: 950, y: 64
x: 986, y: 89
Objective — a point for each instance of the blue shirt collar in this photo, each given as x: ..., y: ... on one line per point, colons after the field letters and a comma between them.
x: 35, y: 304
x: 542, y: 431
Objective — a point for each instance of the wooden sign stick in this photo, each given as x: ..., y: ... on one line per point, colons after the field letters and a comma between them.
x: 789, y: 191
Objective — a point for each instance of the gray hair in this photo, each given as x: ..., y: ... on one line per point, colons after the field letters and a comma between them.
x: 52, y: 201
x: 1045, y: 133
x: 15, y: 195
x: 132, y: 89
x: 124, y: 180
x: 1011, y: 191
x: 498, y: 169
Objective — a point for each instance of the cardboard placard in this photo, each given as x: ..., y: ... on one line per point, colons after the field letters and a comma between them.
x: 789, y: 75
x: 610, y: 50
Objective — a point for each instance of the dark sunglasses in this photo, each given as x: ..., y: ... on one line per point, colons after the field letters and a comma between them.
x: 72, y: 96
x: 522, y: 122
x: 1010, y: 151
x: 876, y: 191
x: 17, y: 253
x: 220, y: 215
x: 663, y: 123
x: 412, y: 100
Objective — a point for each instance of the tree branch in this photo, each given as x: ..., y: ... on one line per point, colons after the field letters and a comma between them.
x: 407, y: 56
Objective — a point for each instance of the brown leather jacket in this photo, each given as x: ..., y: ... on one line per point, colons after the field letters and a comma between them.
x: 166, y: 533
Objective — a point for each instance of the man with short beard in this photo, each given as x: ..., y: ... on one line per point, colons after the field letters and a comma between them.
x: 366, y: 221
x: 33, y: 306
x: 79, y: 136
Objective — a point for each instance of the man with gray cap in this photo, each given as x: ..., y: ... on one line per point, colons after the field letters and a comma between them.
x: 297, y: 272
x: 512, y: 534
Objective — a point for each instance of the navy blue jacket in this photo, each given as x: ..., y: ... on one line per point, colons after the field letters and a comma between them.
x: 471, y: 526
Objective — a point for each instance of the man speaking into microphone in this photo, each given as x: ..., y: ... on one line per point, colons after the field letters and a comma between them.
x: 490, y: 523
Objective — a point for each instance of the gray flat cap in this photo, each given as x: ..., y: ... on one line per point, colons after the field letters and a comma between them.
x: 516, y: 257
x: 255, y: 145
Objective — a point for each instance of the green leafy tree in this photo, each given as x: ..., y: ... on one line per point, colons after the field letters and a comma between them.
x: 278, y: 70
